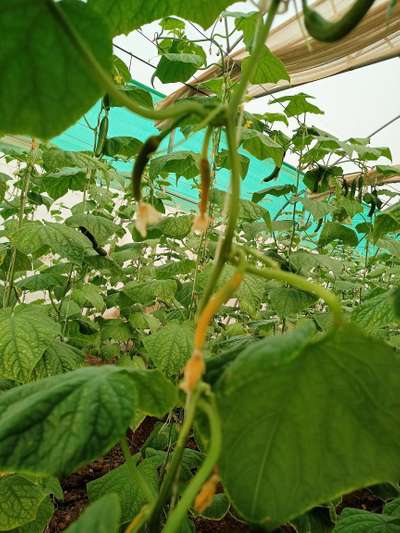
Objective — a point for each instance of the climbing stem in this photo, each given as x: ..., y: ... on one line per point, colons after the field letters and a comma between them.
x: 225, y: 244
x: 195, y: 366
x: 251, y: 66
x: 215, y: 302
x: 260, y: 257
x: 136, y: 477
x: 106, y: 82
x: 178, y: 514
x: 303, y: 284
x: 248, y: 70
x: 26, y: 179
x: 173, y: 467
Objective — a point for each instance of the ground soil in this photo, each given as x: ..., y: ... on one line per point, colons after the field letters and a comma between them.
x: 75, y: 497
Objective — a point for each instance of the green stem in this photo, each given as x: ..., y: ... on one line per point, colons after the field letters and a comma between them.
x: 225, y: 244
x: 303, y: 284
x: 172, y: 469
x: 139, y: 520
x: 260, y: 257
x: 137, y: 479
x: 176, y: 517
x: 22, y: 202
x: 106, y: 81
x: 251, y: 66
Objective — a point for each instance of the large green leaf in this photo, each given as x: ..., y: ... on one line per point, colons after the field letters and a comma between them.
x: 147, y: 292
x: 288, y: 301
x: 181, y: 60
x: 88, y: 294
x: 270, y: 68
x: 224, y: 162
x: 375, y: 313
x: 59, y: 423
x: 360, y: 521
x: 177, y: 227
x: 26, y: 332
x: 391, y: 245
x: 251, y: 211
x: 333, y: 231
x: 3, y: 185
x: 318, y: 209
x: 127, y: 15
x: 277, y: 190
x: 156, y: 395
x: 304, y: 261
x: 58, y: 358
x: 251, y: 292
x: 122, y: 147
x: 20, y: 499
x: 50, y: 86
x: 100, y: 227
x: 217, y: 508
x: 119, y: 482
x: 61, y: 239
x: 61, y: 181
x: 350, y: 205
x: 385, y: 223
x: 293, y: 416
x: 103, y: 516
x: 261, y: 146
x: 247, y: 24
x: 55, y: 159
x: 39, y: 524
x: 170, y: 347
x: 42, y: 281
x: 137, y: 94
x: 174, y: 268
x: 182, y: 164
x: 299, y: 104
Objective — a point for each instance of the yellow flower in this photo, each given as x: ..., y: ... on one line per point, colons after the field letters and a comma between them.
x: 119, y: 80
x: 146, y: 214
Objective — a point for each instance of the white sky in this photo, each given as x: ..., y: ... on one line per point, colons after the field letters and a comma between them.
x: 355, y: 103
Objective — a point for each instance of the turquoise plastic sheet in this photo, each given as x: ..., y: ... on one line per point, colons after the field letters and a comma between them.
x: 124, y: 123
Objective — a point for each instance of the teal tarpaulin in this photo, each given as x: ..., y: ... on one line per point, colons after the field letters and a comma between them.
x: 124, y: 123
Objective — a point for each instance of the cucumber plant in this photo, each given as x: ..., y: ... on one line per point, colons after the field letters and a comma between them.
x: 263, y: 340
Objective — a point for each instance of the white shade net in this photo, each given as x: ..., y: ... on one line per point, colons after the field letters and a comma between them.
x: 375, y: 39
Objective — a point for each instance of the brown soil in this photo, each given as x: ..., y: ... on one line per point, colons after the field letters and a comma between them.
x: 75, y: 497
x: 362, y: 499
x: 74, y: 486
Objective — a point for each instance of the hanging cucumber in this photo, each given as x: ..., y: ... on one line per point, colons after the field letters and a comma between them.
x: 148, y: 148
x: 276, y: 170
x: 353, y: 189
x: 328, y: 32
x: 372, y: 209
x: 92, y: 239
x: 102, y: 136
x: 319, y: 224
x: 374, y: 201
x: 345, y: 187
x: 106, y: 102
x: 360, y: 185
x: 378, y: 201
